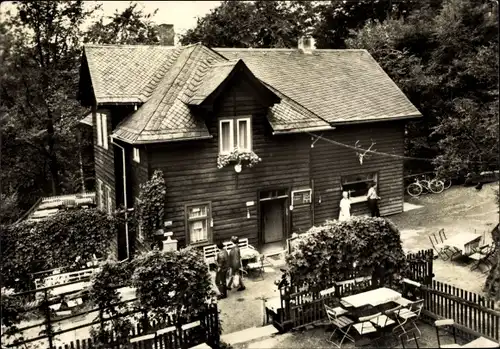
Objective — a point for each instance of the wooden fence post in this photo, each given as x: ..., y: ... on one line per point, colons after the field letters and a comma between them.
x: 48, y: 324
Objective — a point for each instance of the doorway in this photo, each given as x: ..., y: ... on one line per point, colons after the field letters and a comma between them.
x: 273, y: 220
x: 273, y: 217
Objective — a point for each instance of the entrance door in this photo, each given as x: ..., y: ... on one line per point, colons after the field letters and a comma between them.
x: 272, y: 215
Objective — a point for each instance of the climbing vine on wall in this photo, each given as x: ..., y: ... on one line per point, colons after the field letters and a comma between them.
x: 151, y: 205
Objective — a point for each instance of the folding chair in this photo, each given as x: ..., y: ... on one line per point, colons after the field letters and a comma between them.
x: 446, y: 324
x: 365, y: 326
x: 410, y: 315
x: 340, y: 323
x: 259, y: 265
x: 437, y: 245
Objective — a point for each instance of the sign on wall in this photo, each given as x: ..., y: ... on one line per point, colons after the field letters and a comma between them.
x: 301, y: 197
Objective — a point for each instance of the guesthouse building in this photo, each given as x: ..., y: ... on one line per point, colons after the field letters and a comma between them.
x: 258, y: 143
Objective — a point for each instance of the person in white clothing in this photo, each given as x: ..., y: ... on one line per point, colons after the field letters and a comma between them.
x: 373, y: 199
x: 345, y: 207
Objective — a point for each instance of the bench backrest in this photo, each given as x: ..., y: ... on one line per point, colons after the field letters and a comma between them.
x: 242, y: 243
x: 64, y: 278
x: 210, y: 253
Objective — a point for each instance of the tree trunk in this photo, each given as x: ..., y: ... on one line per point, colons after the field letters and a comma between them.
x: 53, y: 163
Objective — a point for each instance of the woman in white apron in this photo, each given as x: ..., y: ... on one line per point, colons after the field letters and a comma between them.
x: 345, y: 207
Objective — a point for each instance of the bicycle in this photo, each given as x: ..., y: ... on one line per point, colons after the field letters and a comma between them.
x: 434, y: 186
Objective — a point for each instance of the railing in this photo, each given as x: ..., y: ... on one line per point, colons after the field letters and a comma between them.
x: 178, y: 337
x: 304, y: 306
x: 473, y: 314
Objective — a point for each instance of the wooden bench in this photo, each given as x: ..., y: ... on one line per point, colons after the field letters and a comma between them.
x: 210, y: 254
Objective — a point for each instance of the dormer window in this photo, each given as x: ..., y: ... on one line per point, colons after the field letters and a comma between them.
x: 235, y: 133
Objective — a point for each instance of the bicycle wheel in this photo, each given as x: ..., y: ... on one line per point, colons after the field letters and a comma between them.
x: 414, y: 189
x: 447, y: 183
x: 436, y: 186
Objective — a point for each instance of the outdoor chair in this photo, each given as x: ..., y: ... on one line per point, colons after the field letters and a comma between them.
x: 439, y: 245
x: 341, y: 324
x: 446, y: 325
x: 481, y: 256
x: 258, y: 265
x: 409, y: 316
x: 365, y: 326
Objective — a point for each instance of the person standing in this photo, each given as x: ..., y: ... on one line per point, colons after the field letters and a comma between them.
x: 345, y: 207
x: 222, y: 260
x: 235, y: 265
x: 373, y: 199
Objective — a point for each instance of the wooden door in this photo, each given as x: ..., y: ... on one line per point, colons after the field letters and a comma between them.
x: 273, y: 212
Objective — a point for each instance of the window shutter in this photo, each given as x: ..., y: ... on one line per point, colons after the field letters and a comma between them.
x: 104, y: 131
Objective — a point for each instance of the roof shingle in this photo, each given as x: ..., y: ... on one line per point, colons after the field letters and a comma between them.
x: 317, y: 91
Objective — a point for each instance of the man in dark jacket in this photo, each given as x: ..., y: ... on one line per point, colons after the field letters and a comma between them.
x: 235, y: 263
x: 222, y: 261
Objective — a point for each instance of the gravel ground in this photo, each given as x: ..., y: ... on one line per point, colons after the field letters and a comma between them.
x: 455, y: 210
x: 317, y: 338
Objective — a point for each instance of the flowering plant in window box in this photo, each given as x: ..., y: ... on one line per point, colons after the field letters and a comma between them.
x: 248, y: 158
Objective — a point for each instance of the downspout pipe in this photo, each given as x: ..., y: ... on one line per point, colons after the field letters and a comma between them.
x: 124, y: 195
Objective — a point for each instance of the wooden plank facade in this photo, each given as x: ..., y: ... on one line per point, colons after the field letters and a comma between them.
x: 245, y: 203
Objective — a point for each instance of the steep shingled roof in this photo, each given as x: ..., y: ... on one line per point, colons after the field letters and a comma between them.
x: 339, y: 86
x: 127, y: 73
x: 317, y: 91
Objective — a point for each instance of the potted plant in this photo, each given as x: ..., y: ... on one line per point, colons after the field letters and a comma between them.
x: 239, y: 158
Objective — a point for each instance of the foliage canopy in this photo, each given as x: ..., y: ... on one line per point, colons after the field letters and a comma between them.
x: 336, y: 250
x: 29, y: 247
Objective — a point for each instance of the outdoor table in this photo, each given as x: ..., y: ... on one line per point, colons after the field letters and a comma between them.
x: 57, y: 291
x: 481, y: 342
x: 374, y: 298
x: 464, y: 242
x: 247, y: 255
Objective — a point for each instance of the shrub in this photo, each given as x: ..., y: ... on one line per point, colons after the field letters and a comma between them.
x: 151, y: 206
x: 172, y: 282
x: 104, y: 294
x: 28, y: 247
x: 329, y: 252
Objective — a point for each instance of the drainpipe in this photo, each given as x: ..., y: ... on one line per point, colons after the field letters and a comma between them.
x: 124, y: 195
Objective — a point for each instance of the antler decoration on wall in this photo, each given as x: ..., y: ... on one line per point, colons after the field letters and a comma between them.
x: 365, y: 151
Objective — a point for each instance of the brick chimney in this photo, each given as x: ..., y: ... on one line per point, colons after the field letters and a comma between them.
x: 307, y: 44
x: 166, y: 34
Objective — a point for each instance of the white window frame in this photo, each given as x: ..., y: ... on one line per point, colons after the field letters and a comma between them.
x: 100, y: 194
x: 136, y: 155
x: 99, y: 129
x: 231, y: 136
x: 109, y: 202
x: 249, y: 133
x: 207, y: 218
x: 234, y: 134
x: 104, y: 125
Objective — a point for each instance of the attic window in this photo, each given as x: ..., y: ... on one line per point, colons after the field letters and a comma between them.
x: 235, y: 133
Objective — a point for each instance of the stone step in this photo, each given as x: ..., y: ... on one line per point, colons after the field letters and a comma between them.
x: 249, y: 334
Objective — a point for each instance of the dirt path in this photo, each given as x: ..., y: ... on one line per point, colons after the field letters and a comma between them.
x: 454, y: 210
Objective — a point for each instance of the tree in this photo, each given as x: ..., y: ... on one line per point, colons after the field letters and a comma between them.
x: 256, y: 24
x: 131, y: 26
x: 39, y: 77
x: 39, y: 61
x: 151, y: 208
x: 446, y: 62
